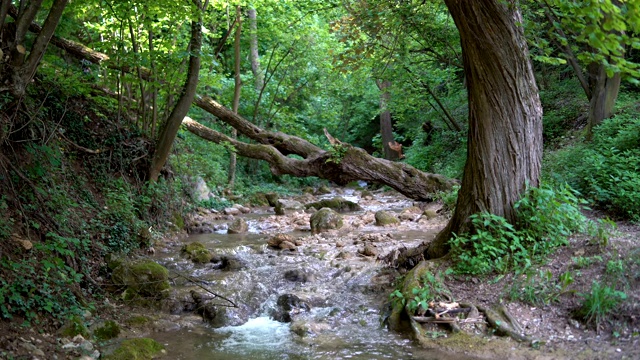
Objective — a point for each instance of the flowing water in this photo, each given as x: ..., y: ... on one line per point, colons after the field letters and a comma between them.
x: 346, y: 295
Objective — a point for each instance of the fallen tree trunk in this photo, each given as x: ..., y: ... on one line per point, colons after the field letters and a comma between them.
x: 340, y: 166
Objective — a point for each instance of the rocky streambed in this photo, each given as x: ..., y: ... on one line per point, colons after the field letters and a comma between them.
x: 279, y: 291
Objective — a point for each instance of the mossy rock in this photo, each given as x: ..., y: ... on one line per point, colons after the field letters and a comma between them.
x: 108, y: 331
x: 136, y: 349
x: 272, y: 198
x: 366, y: 193
x: 430, y: 214
x: 142, y: 278
x: 325, y: 219
x: 322, y: 190
x: 75, y: 326
x: 138, y: 321
x: 338, y: 204
x: 238, y: 226
x: 384, y: 218
x: 197, y: 252
x: 258, y: 199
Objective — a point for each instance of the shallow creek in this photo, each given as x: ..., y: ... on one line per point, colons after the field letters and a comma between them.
x: 345, y: 291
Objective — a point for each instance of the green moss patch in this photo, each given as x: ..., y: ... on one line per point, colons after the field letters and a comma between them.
x: 136, y: 349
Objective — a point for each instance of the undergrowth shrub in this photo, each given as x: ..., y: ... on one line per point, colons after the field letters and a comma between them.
x: 546, y: 216
x: 606, y: 170
x: 442, y: 152
x: 44, y: 283
x: 599, y: 302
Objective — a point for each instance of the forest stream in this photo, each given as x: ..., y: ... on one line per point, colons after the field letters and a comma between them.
x: 336, y: 293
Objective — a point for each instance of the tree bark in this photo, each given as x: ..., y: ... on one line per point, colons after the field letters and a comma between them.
x: 236, y: 95
x: 603, y: 97
x: 171, y: 126
x: 254, y: 55
x: 25, y: 68
x: 386, y: 128
x: 504, y: 148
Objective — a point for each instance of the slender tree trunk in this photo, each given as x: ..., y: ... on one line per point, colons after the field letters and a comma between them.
x: 386, y: 128
x: 136, y: 53
x: 236, y: 95
x: 171, y: 126
x: 504, y: 148
x: 25, y: 68
x: 254, y: 55
x: 4, y: 10
x: 154, y: 87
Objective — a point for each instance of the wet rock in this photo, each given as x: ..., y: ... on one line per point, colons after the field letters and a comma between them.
x: 243, y: 209
x: 344, y: 255
x: 374, y: 237
x: 201, y: 191
x: 288, y: 305
x: 385, y: 218
x: 366, y: 194
x: 289, y: 204
x: 238, y: 226
x: 277, y: 239
x: 430, y: 214
x: 227, y: 263
x: 369, y: 250
x: 322, y: 190
x: 297, y: 275
x: 231, y: 211
x: 410, y: 214
x: 286, y: 245
x: 109, y: 330
x: 144, y: 278
x: 338, y: 204
x: 325, y: 219
x: 196, y: 252
x: 204, y: 309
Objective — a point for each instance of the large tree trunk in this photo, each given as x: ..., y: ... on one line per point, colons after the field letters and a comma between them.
x: 170, y: 128
x: 504, y: 148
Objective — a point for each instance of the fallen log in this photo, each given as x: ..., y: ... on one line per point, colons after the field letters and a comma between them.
x: 342, y: 167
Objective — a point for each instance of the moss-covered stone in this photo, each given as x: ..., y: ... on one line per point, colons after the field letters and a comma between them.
x: 258, y: 199
x: 197, y: 252
x: 136, y: 349
x: 138, y: 321
x: 385, y: 218
x: 142, y: 278
x: 323, y: 190
x: 75, y: 326
x: 325, y: 219
x: 109, y: 330
x: 430, y: 214
x: 337, y: 204
x: 366, y: 194
x: 238, y: 226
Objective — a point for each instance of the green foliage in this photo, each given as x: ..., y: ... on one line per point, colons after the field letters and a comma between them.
x: 108, y: 331
x: 546, y: 217
x: 599, y: 303
x: 442, y: 152
x: 539, y: 288
x: 608, y: 172
x: 6, y: 222
x: 337, y: 153
x: 44, y: 283
x: 431, y: 290
x: 449, y: 198
x: 583, y: 262
x: 75, y: 326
